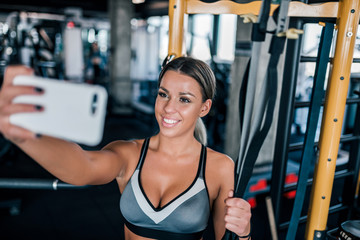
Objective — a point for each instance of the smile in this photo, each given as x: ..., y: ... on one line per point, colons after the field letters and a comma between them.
x: 169, y: 122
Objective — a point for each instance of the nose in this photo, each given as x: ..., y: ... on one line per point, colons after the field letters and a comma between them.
x: 170, y: 106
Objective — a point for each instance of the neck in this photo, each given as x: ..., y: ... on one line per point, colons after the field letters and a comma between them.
x: 175, y: 145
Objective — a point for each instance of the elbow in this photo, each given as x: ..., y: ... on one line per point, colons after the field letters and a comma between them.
x: 80, y: 183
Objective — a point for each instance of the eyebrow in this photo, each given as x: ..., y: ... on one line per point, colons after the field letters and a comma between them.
x: 181, y: 93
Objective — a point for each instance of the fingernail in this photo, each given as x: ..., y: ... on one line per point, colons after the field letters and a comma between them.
x: 39, y: 90
x: 38, y: 135
x: 38, y: 107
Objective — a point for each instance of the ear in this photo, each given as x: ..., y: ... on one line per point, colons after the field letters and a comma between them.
x: 205, y: 108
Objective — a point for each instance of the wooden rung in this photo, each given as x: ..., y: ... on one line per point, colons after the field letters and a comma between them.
x: 296, y: 9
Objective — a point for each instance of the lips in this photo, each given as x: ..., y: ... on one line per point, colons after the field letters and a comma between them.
x: 167, y: 122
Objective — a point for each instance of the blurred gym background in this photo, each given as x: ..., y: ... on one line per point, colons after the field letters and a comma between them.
x: 121, y: 44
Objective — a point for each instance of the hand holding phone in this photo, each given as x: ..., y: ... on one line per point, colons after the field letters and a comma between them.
x: 72, y: 111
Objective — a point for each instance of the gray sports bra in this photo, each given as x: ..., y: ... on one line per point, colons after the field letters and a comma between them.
x: 185, y: 217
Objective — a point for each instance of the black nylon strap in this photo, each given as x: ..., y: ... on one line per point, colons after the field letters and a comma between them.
x: 258, y: 35
x: 276, y: 48
x: 242, y: 95
x: 260, y: 135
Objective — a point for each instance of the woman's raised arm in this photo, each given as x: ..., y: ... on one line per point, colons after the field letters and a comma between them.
x: 65, y: 160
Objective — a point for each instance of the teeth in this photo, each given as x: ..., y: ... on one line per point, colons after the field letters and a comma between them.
x: 170, y: 121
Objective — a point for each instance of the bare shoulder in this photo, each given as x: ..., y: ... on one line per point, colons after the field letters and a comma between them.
x: 126, y: 150
x: 219, y: 173
x: 219, y: 162
x: 124, y: 145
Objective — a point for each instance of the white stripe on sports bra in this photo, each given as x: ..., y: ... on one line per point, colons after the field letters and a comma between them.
x: 158, y: 216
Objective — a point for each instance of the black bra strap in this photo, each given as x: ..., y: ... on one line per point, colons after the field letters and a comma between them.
x: 203, y: 161
x: 143, y: 152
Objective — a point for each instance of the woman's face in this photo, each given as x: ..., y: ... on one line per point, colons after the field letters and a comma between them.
x: 179, y: 104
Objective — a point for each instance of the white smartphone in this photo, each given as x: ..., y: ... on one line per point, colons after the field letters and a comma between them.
x: 72, y: 111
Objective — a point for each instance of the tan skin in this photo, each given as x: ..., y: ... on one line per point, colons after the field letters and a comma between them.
x: 171, y: 162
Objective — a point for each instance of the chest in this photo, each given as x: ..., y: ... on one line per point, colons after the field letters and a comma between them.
x: 162, y: 182
x: 187, y: 212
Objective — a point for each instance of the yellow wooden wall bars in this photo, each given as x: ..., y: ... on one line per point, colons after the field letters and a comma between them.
x: 178, y: 8
x: 347, y: 25
x: 347, y: 14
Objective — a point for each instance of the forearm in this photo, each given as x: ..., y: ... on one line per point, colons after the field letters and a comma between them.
x: 65, y: 160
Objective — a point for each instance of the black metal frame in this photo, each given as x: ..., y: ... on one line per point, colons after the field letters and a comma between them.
x: 348, y: 208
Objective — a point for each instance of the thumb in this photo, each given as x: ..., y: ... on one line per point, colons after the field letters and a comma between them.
x: 231, y: 194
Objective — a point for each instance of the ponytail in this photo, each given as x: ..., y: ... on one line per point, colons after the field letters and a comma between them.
x: 200, y: 132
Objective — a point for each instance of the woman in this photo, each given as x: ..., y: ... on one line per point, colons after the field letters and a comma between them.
x: 169, y: 182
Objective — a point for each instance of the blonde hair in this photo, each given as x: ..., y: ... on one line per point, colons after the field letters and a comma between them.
x: 203, y: 74
x: 200, y: 132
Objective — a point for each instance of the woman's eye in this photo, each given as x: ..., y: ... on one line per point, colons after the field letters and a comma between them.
x: 185, y: 100
x: 162, y: 94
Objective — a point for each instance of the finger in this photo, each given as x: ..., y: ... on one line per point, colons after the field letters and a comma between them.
x: 238, y: 213
x: 22, y: 108
x: 240, y: 231
x: 18, y: 134
x: 12, y: 71
x: 237, y: 202
x: 230, y: 195
x: 238, y: 225
x: 231, y: 227
x: 11, y: 92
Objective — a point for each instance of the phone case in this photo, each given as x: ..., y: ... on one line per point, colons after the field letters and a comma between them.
x: 72, y: 111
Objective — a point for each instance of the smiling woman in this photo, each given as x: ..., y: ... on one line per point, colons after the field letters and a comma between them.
x: 182, y: 69
x: 170, y: 182
x: 179, y: 103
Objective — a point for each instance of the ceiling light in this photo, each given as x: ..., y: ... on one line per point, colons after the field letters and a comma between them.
x: 138, y: 1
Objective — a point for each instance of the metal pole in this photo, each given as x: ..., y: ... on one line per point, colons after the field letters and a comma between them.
x: 176, y: 27
x: 30, y: 183
x: 347, y: 24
